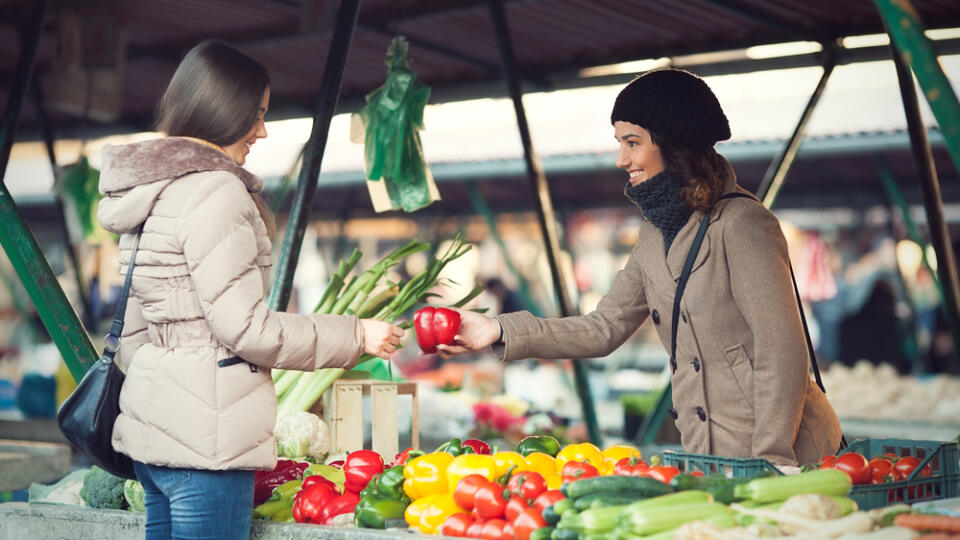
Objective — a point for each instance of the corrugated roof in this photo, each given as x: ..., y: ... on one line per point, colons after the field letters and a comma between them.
x: 453, y: 42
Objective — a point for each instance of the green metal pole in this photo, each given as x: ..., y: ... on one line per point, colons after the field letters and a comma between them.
x: 906, y: 33
x: 56, y: 313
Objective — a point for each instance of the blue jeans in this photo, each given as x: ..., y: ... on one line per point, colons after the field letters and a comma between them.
x: 196, y: 504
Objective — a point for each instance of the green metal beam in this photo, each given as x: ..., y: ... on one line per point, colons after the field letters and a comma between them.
x: 18, y: 243
x: 906, y: 33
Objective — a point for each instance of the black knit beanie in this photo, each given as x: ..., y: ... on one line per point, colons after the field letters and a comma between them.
x: 675, y: 104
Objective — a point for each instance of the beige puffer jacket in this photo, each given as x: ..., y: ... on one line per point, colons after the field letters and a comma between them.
x: 198, y: 297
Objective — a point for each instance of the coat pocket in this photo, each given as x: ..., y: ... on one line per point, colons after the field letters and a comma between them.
x: 741, y: 370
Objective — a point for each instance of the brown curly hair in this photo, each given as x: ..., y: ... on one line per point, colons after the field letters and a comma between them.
x: 701, y: 172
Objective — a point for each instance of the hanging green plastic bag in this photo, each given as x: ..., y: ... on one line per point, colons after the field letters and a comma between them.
x: 388, y: 126
x: 78, y: 189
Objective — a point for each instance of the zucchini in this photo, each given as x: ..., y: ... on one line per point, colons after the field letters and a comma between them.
x: 656, y: 519
x: 825, y: 482
x: 673, y: 499
x: 608, y: 484
x: 564, y: 534
x: 592, y: 521
x: 596, y: 500
x: 543, y: 533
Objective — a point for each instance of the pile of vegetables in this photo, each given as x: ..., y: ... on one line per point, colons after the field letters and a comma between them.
x: 366, y: 296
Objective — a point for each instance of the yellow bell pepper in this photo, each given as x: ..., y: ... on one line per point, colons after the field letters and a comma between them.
x: 544, y: 464
x: 426, y: 475
x: 507, y: 459
x: 465, y: 464
x: 583, y: 452
x: 614, y: 454
x: 416, y: 508
x: 433, y: 515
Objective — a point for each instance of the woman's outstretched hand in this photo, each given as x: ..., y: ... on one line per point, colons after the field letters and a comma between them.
x: 477, y: 332
x: 380, y: 338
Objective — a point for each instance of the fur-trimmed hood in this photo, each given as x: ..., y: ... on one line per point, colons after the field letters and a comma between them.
x: 133, y: 175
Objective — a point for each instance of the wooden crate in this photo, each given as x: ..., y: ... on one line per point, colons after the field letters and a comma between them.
x: 343, y: 413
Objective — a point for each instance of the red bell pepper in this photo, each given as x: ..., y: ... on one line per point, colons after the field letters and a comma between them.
x: 341, y: 504
x: 435, y: 326
x: 479, y: 447
x: 403, y: 457
x: 359, y: 468
x: 264, y: 482
x: 310, y: 503
x: 316, y: 479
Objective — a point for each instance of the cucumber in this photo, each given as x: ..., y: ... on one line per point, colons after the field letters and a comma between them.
x: 543, y: 533
x: 562, y: 506
x: 564, y: 534
x: 648, y: 487
x: 596, y: 500
x: 550, y: 515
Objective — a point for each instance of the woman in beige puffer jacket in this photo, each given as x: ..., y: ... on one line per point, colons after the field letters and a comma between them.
x: 196, y: 430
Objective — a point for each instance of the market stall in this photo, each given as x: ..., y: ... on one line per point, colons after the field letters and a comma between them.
x: 555, y: 490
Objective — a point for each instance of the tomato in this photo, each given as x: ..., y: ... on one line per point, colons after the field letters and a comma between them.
x: 467, y: 488
x: 527, y: 484
x: 475, y: 528
x: 827, y: 462
x: 881, y: 470
x: 576, y: 470
x: 856, y: 466
x: 456, y: 525
x: 508, y: 533
x: 663, y: 473
x: 547, y: 498
x: 527, y: 522
x: 488, y: 501
x: 493, y: 529
x: 630, y: 466
x: 514, y: 506
x: 905, y: 466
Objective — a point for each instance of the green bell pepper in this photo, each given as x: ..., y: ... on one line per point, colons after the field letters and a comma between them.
x: 455, y: 447
x: 372, y: 512
x: 538, y: 443
x: 389, y: 484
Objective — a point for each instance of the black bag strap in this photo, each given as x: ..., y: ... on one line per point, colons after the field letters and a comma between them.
x: 682, y: 284
x: 796, y: 291
x: 111, y: 342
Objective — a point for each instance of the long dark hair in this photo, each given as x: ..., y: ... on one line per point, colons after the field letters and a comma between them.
x: 701, y: 172
x: 214, y: 95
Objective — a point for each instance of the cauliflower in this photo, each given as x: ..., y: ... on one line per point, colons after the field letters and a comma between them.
x: 302, y: 435
x: 809, y: 505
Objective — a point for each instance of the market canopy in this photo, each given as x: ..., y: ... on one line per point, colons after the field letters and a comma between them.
x: 133, y: 46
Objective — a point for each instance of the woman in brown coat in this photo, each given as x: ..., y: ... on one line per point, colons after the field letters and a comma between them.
x: 741, y: 379
x: 198, y: 405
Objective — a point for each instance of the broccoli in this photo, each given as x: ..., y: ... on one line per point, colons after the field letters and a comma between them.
x: 102, y: 489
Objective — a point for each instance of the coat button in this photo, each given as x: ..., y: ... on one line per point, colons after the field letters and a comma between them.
x: 656, y: 317
x: 696, y: 364
x: 683, y: 316
x: 702, y: 414
x: 672, y: 412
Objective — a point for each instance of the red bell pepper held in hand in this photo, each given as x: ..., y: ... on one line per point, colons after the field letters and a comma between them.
x: 359, y: 468
x: 310, y: 503
x: 435, y: 326
x: 479, y: 447
x: 341, y: 504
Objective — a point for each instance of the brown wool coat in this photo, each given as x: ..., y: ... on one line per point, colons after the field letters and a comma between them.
x: 198, y: 297
x: 741, y: 352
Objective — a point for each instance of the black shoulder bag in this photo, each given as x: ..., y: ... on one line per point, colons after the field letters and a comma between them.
x: 685, y: 275
x: 86, y: 418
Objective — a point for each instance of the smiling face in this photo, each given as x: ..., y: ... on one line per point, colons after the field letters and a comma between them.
x: 238, y: 151
x: 638, y: 154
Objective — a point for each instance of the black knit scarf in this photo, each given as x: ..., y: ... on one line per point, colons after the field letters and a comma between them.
x: 660, y: 200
